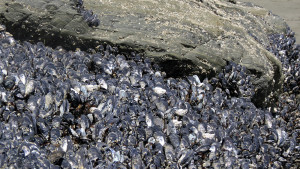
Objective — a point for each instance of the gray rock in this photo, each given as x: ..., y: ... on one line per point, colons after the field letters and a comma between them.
x: 185, y: 37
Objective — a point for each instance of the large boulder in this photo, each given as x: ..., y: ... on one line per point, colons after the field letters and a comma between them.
x: 183, y: 36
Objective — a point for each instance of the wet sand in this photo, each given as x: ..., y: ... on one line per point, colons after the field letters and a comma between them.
x: 289, y: 10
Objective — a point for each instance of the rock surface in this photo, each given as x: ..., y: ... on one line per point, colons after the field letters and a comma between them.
x: 286, y: 9
x: 184, y: 37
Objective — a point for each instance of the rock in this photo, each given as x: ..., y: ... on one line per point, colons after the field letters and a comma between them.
x: 184, y: 37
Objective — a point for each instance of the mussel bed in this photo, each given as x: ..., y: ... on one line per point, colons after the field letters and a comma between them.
x: 73, y: 109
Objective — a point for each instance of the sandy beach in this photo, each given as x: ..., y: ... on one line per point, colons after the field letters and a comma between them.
x: 289, y: 10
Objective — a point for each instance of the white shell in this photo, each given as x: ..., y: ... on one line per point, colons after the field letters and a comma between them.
x: 159, y: 90
x: 181, y: 112
x: 29, y: 87
x: 91, y: 88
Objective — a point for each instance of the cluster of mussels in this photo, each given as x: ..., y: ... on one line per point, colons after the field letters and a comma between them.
x: 284, y: 48
x: 64, y: 109
x: 234, y: 81
x: 88, y: 15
